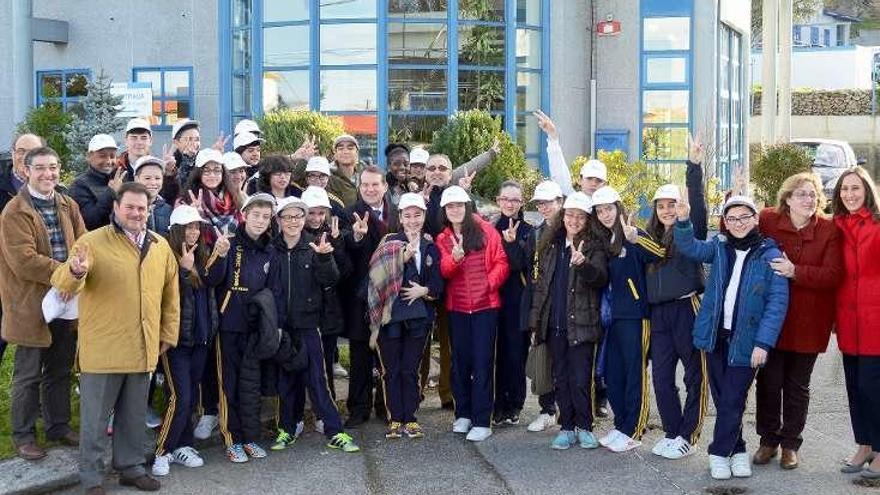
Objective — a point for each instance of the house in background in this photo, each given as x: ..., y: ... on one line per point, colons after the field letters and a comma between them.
x: 825, y: 29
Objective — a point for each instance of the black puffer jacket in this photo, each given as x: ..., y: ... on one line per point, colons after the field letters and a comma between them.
x: 584, y: 285
x: 298, y: 277
x: 92, y: 193
x: 332, y: 321
x: 263, y: 342
x: 186, y: 337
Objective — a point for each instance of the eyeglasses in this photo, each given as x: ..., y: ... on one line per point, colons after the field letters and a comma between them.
x: 738, y: 220
x: 291, y: 218
x: 804, y: 195
x: 512, y: 201
x: 212, y: 171
x: 316, y: 176
x: 46, y: 168
x: 435, y: 168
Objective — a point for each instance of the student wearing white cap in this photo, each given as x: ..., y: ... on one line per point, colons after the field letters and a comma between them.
x: 150, y: 171
x: 184, y: 365
x: 739, y: 322
x: 473, y: 262
x: 302, y: 267
x: 628, y: 329
x: 674, y: 286
x: 593, y: 173
x: 318, y: 175
x: 548, y: 201
x: 138, y: 141
x: 418, y: 160
x: 236, y: 170
x: 94, y: 188
x: 572, y: 269
x: 247, y: 125
x: 409, y: 262
x: 248, y: 145
x: 209, y: 190
x: 346, y: 168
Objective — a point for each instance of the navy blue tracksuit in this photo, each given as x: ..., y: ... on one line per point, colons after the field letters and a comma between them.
x: 730, y: 391
x: 472, y: 338
x: 183, y: 367
x: 402, y: 341
x: 513, y: 337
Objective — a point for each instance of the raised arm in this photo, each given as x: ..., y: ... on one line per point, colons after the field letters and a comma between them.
x: 559, y: 171
x: 477, y: 163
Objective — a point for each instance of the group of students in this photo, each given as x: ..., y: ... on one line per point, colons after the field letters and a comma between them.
x: 274, y: 265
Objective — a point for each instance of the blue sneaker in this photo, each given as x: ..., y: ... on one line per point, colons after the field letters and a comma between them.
x: 586, y: 439
x: 564, y: 439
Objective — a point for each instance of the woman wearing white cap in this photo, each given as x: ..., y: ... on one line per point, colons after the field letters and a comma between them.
x: 473, y: 262
x: 209, y: 190
x: 674, y: 284
x: 739, y: 322
x: 628, y: 334
x: 199, y: 319
x: 411, y: 266
x: 572, y: 268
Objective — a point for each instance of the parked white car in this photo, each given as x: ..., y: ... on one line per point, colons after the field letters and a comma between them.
x: 830, y: 159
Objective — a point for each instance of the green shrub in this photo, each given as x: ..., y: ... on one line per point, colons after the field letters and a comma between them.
x: 50, y: 122
x: 772, y: 165
x: 469, y: 133
x: 285, y: 130
x: 635, y: 181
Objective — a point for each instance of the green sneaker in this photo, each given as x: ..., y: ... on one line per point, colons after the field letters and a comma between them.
x: 283, y: 440
x: 344, y: 442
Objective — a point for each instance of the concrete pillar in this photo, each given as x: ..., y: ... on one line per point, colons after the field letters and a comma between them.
x: 22, y: 58
x: 783, y: 134
x: 768, y: 74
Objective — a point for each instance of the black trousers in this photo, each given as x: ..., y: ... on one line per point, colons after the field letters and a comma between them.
x: 862, y: 375
x: 783, y: 397
x: 361, y: 382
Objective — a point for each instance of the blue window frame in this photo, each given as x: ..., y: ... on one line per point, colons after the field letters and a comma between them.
x: 665, y: 102
x: 65, y: 86
x: 392, y: 69
x: 172, y: 93
x: 730, y: 134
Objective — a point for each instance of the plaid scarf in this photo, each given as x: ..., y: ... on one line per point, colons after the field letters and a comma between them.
x: 221, y: 212
x: 386, y: 278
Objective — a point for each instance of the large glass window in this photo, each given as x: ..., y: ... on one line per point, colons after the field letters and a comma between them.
x: 66, y: 87
x: 286, y: 89
x: 413, y: 89
x: 729, y: 152
x: 348, y: 90
x: 345, y: 44
x: 286, y: 45
x: 417, y: 43
x: 172, y: 93
x: 417, y: 8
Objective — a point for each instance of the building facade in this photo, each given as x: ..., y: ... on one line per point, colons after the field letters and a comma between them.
x: 394, y: 70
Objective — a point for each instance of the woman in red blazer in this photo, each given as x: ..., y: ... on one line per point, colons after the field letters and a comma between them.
x: 473, y: 262
x: 857, y: 214
x: 812, y: 262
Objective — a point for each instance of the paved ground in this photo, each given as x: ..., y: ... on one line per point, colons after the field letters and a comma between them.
x: 514, y: 461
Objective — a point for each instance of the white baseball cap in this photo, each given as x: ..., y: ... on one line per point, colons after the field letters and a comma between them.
x: 102, y: 142
x: 148, y: 160
x: 739, y: 200
x: 181, y: 125
x: 345, y: 137
x: 418, y: 155
x: 246, y: 125
x: 233, y: 161
x: 138, y: 123
x: 605, y: 195
x: 291, y: 202
x: 315, y: 197
x: 246, y: 139
x: 266, y: 197
x: 454, y: 194
x: 580, y: 201
x: 185, y: 215
x: 547, y: 191
x: 208, y: 155
x: 412, y: 199
x: 667, y: 191
x: 594, y: 168
x: 318, y: 164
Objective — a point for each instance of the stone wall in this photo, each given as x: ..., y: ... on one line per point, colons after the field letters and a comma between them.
x: 844, y: 102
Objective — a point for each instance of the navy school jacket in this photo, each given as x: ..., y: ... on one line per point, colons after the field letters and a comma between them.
x: 517, y: 258
x: 429, y: 277
x: 626, y: 276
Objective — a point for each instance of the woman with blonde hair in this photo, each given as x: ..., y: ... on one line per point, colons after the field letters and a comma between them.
x: 857, y: 214
x: 811, y: 261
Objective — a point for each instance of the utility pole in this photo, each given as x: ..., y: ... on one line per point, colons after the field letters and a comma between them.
x: 785, y: 35
x: 768, y: 74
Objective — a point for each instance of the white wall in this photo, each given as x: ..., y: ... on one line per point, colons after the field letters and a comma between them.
x: 862, y: 129
x: 840, y: 68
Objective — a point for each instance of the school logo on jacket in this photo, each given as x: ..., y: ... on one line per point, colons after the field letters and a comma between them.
x: 429, y: 260
x: 266, y: 268
x: 622, y: 252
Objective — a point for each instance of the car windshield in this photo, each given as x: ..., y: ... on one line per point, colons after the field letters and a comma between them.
x: 825, y: 155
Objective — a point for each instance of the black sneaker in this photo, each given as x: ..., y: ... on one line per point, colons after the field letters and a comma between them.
x: 512, y: 419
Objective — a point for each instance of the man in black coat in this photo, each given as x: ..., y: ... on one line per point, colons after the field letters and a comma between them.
x: 95, y: 189
x: 371, y: 217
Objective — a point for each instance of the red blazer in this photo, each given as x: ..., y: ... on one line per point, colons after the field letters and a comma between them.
x: 815, y: 251
x: 858, y: 299
x: 474, y: 282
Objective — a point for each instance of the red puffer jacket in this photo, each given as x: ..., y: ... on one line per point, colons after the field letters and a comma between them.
x: 815, y: 252
x: 858, y: 299
x: 474, y: 281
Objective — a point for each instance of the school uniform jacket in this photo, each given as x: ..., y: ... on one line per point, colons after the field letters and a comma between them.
x: 428, y: 275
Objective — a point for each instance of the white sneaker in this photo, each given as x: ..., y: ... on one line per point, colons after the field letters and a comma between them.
x: 319, y: 426
x: 609, y: 437
x: 205, y: 427
x: 461, y: 425
x: 339, y: 371
x: 678, y: 448
x: 740, y: 465
x: 623, y: 443
x: 479, y: 433
x: 542, y: 422
x: 661, y: 446
x: 719, y: 467
x: 189, y: 457
x: 299, y: 429
x: 162, y: 465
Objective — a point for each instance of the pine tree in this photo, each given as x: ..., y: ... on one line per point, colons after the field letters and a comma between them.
x: 97, y: 116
